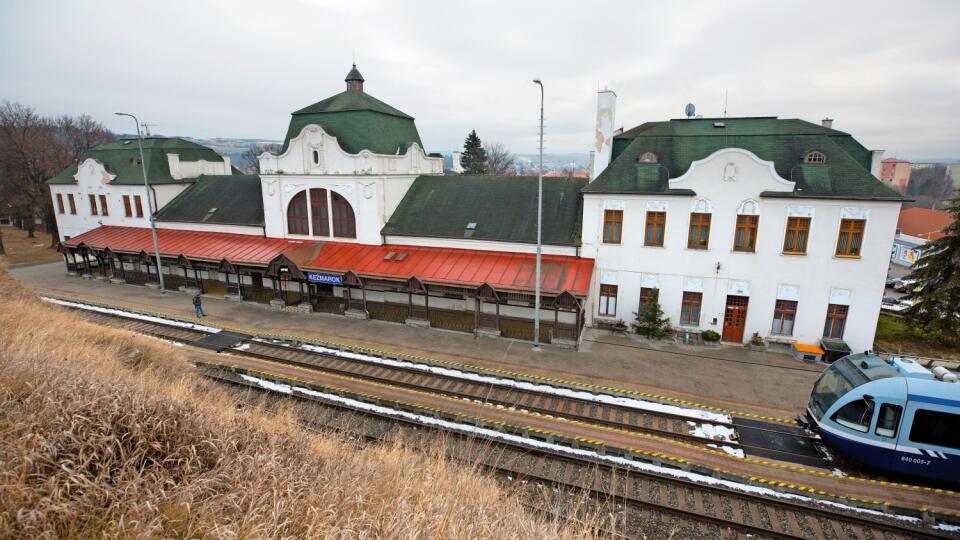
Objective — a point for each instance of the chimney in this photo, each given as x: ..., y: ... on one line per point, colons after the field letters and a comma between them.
x: 455, y: 165
x: 876, y: 161
x: 827, y: 123
x: 603, y: 145
x: 354, y: 80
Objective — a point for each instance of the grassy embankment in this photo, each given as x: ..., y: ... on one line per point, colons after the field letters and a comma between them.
x: 21, y: 249
x: 894, y: 335
x: 108, y: 434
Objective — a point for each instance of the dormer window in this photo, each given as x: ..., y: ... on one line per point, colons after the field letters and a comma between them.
x: 815, y: 157
x: 647, y: 157
x: 316, y: 157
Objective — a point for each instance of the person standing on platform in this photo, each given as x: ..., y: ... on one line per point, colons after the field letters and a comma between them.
x: 198, y: 305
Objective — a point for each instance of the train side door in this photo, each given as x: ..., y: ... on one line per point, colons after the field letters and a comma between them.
x: 886, y: 429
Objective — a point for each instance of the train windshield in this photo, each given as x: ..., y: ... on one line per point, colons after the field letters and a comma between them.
x: 837, y: 380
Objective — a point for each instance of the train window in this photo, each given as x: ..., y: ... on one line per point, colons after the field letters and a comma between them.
x: 888, y: 420
x: 836, y: 381
x: 855, y: 415
x: 935, y: 427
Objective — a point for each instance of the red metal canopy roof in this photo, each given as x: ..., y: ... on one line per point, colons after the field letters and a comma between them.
x: 470, y: 267
x: 196, y: 245
x: 458, y: 267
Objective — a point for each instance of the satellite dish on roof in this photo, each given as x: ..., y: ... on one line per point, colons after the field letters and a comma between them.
x: 691, y: 111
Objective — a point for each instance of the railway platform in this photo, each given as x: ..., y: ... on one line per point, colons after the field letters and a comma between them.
x: 730, y: 378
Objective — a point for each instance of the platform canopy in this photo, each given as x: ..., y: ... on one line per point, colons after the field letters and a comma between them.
x: 460, y: 267
x: 194, y: 245
x: 503, y: 271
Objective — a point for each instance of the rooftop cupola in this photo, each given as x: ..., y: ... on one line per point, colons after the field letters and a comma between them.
x: 354, y: 80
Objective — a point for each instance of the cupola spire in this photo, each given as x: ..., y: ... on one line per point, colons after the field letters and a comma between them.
x: 354, y: 80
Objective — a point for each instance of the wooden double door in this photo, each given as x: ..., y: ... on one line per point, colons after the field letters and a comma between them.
x: 735, y: 318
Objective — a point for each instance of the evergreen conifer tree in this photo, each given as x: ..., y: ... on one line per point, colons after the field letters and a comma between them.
x: 936, y: 294
x: 474, y: 157
x: 652, y: 322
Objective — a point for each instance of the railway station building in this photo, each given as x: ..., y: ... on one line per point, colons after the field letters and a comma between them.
x: 739, y: 225
x: 772, y: 226
x: 352, y: 217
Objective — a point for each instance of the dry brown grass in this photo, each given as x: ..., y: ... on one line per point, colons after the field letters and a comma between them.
x: 21, y: 249
x: 107, y: 434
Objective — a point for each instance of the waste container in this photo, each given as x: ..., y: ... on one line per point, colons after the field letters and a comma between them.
x: 834, y: 349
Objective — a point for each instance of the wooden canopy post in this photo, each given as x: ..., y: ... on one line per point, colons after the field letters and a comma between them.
x: 486, y: 322
x: 118, y: 264
x: 85, y: 252
x: 107, y: 256
x: 184, y: 263
x: 415, y: 313
x: 103, y: 259
x: 227, y: 268
x: 566, y: 301
x: 351, y: 280
x: 281, y: 269
x: 145, y: 260
x: 65, y: 251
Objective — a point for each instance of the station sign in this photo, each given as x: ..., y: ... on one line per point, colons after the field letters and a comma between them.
x: 328, y: 279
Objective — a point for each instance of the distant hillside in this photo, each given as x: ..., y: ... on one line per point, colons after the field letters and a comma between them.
x: 234, y: 149
x: 527, y: 163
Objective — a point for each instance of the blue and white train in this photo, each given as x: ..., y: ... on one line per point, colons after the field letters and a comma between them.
x: 892, y: 414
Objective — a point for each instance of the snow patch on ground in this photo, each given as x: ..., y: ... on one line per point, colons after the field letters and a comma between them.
x: 838, y: 472
x: 131, y: 315
x: 947, y: 527
x: 719, y: 434
x: 632, y: 403
x: 710, y: 431
x: 491, y: 434
x: 735, y: 452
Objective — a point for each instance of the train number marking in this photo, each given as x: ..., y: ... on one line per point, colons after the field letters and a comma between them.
x: 915, y: 460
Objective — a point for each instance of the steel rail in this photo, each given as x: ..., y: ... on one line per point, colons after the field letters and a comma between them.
x: 757, y: 499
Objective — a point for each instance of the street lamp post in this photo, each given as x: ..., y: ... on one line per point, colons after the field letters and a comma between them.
x: 152, y: 210
x: 536, y: 305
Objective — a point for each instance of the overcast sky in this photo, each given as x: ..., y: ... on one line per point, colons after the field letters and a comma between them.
x: 889, y: 73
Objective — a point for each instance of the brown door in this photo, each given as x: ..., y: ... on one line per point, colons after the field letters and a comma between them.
x: 735, y: 318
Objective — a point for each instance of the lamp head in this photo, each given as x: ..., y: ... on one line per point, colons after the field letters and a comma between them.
x: 537, y: 81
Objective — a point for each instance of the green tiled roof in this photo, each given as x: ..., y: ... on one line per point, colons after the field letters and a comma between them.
x: 122, y: 158
x: 359, y: 121
x: 222, y: 199
x: 504, y: 208
x: 678, y: 143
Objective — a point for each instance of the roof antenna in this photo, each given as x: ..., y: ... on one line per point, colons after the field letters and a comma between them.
x: 725, y: 94
x: 146, y: 127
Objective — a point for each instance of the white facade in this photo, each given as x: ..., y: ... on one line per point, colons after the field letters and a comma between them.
x: 93, y: 179
x: 372, y: 183
x: 726, y: 184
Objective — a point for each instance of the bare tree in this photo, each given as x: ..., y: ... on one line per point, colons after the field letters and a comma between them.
x: 33, y: 149
x: 500, y: 161
x: 250, y: 163
x: 27, y: 159
x: 80, y: 134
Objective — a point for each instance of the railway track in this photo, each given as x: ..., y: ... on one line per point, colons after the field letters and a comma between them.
x: 662, y: 424
x: 692, y: 500
x: 707, y: 510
